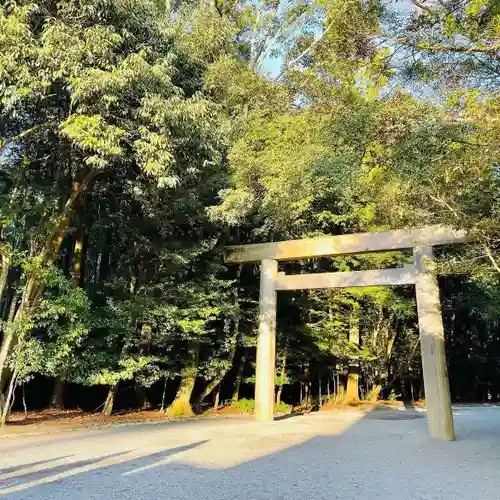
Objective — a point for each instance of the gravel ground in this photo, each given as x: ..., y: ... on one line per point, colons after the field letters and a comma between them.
x: 346, y: 455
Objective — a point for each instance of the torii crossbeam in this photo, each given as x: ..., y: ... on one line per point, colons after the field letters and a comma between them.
x: 421, y: 274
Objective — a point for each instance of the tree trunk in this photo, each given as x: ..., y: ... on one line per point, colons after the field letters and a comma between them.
x: 141, y: 397
x: 319, y: 392
x: 144, y: 347
x: 57, y: 399
x: 382, y: 377
x: 239, y: 377
x: 76, y: 268
x: 181, y: 406
x: 4, y: 273
x: 163, y: 395
x: 110, y: 400
x: 340, y: 391
x: 217, y: 398
x: 7, y: 345
x: 210, y: 387
x: 103, y: 271
x: 306, y: 385
x: 25, y: 406
x: 374, y: 392
x: 281, y: 379
x: 278, y: 394
x: 352, y: 394
x: 9, y: 399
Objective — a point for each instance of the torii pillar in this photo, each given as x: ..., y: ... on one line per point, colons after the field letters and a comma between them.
x: 266, y: 342
x: 432, y: 347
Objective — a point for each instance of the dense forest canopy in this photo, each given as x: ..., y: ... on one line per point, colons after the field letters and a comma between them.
x: 138, y: 137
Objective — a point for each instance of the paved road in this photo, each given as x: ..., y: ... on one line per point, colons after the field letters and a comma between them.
x: 382, y: 455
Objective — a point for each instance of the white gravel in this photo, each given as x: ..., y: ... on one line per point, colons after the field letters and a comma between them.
x: 346, y: 455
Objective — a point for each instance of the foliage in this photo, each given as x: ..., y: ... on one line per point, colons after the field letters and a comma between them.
x: 282, y: 408
x: 447, y: 45
x: 248, y: 405
x: 244, y: 405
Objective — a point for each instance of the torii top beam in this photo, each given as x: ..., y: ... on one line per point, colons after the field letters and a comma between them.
x: 328, y: 246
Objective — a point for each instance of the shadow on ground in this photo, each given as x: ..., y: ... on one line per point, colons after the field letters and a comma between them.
x: 385, y: 454
x: 10, y: 470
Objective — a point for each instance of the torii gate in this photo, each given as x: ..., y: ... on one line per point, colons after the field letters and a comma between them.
x: 421, y: 274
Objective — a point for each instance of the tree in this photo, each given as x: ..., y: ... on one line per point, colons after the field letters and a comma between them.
x: 99, y: 89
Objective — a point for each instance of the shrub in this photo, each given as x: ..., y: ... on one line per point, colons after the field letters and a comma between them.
x: 248, y: 406
x: 282, y: 408
x: 393, y: 396
x: 244, y: 405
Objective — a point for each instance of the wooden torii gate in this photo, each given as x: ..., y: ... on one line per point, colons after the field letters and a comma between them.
x: 421, y: 274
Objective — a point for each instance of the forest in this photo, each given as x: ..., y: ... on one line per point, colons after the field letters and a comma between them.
x: 138, y: 138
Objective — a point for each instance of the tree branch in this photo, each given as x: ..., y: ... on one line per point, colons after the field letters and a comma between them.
x: 24, y: 133
x: 487, y: 49
x: 440, y: 201
x: 420, y: 4
x: 253, y: 41
x: 487, y: 249
x: 304, y: 52
x: 459, y: 49
x: 255, y: 61
x: 52, y: 244
x: 492, y: 259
